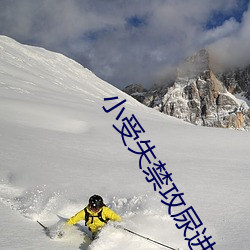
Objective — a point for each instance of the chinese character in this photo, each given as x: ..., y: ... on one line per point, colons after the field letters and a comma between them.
x: 155, y: 177
x: 201, y: 242
x: 132, y: 127
x: 114, y: 107
x: 160, y: 166
x: 192, y: 217
x: 171, y: 203
x: 144, y: 152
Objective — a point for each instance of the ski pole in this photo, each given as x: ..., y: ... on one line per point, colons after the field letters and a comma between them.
x: 45, y: 228
x: 148, y: 239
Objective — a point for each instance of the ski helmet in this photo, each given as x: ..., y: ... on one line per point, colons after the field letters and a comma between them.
x: 96, y: 202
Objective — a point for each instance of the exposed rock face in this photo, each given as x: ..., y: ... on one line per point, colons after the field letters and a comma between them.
x: 237, y: 81
x: 136, y: 90
x: 198, y: 96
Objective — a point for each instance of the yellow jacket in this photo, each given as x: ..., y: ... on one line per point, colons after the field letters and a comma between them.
x: 94, y: 223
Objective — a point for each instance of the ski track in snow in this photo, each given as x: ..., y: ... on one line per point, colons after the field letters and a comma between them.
x: 39, y: 204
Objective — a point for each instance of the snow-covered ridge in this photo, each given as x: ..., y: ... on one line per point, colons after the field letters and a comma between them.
x: 33, y: 73
x: 58, y: 147
x: 35, y: 67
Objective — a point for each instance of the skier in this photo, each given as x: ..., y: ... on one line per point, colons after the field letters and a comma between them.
x: 95, y: 214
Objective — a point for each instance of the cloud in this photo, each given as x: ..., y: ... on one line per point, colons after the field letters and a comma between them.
x: 125, y: 42
x: 228, y: 28
x: 233, y: 48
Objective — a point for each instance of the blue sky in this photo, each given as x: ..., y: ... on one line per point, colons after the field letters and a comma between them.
x: 131, y: 41
x: 218, y: 17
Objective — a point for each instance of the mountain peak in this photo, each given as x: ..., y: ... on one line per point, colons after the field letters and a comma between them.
x: 197, y: 64
x: 202, y: 97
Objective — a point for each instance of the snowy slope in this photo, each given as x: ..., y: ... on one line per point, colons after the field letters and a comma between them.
x: 58, y: 147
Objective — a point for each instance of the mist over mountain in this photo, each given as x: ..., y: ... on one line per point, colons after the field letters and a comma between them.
x: 203, y: 92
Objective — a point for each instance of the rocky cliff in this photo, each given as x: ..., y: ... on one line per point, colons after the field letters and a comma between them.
x: 201, y: 96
